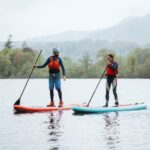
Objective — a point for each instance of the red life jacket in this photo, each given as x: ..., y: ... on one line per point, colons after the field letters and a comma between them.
x: 110, y: 71
x: 54, y: 64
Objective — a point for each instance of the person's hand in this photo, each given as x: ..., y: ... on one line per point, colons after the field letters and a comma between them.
x: 64, y: 77
x: 108, y: 63
x: 35, y: 66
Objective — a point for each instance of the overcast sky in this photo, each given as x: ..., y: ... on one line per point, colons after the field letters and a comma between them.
x: 26, y: 19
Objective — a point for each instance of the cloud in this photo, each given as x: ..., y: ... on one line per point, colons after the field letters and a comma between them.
x: 31, y: 18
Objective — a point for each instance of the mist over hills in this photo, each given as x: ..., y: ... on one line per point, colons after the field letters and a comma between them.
x: 128, y: 34
x: 64, y: 36
x: 130, y: 29
x: 76, y: 49
x: 133, y: 29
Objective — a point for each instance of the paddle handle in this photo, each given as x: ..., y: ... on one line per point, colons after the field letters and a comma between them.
x: 30, y: 75
x: 96, y: 87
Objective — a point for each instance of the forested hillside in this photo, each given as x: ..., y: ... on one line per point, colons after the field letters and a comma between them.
x: 17, y: 63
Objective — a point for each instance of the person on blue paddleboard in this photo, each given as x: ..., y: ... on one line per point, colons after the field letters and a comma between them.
x: 54, y: 64
x: 111, y: 79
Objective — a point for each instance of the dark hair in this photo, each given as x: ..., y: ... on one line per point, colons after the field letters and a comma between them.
x: 111, y: 55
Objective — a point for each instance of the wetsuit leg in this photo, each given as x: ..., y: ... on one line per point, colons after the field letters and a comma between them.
x: 52, y: 95
x: 59, y: 94
x: 108, y: 84
x: 51, y: 87
x: 114, y: 86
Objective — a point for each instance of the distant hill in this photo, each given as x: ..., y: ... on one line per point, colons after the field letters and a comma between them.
x: 76, y: 49
x: 65, y: 36
x: 131, y: 29
x: 128, y: 34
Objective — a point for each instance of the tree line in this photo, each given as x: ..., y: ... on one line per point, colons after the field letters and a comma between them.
x: 17, y: 63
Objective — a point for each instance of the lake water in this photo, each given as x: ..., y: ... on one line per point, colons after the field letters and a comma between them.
x: 67, y: 131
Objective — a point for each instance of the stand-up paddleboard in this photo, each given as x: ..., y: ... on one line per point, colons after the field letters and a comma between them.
x: 127, y: 107
x: 32, y: 109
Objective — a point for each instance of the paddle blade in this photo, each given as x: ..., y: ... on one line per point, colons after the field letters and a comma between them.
x: 17, y: 102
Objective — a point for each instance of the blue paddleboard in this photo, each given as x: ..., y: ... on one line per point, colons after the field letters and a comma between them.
x: 127, y: 107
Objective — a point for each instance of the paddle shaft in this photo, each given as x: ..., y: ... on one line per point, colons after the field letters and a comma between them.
x: 96, y: 87
x: 29, y: 77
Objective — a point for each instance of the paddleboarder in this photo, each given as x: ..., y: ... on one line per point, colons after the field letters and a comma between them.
x: 111, y: 78
x: 54, y: 64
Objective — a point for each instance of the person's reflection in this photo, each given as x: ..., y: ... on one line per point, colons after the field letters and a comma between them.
x: 54, y: 129
x: 112, y: 130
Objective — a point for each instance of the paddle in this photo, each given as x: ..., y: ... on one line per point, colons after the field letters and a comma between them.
x: 18, y: 101
x: 96, y: 87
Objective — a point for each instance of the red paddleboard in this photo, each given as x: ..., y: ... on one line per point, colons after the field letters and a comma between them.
x: 32, y: 109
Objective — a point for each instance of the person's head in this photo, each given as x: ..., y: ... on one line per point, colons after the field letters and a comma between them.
x: 110, y: 57
x: 56, y: 52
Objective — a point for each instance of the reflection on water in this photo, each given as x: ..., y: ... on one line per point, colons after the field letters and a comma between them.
x: 112, y: 133
x: 54, y: 129
x: 57, y: 131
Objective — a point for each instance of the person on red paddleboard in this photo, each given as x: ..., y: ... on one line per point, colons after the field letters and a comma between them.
x: 111, y: 79
x: 54, y: 64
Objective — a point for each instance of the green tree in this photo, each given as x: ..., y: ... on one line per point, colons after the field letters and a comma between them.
x: 86, y: 64
x: 8, y: 43
x: 5, y: 66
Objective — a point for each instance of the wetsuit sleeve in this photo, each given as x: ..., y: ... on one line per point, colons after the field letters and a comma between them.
x: 45, y: 64
x: 62, y: 66
x: 113, y: 66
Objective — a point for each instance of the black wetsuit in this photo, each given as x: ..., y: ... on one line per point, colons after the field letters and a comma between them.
x: 112, y: 80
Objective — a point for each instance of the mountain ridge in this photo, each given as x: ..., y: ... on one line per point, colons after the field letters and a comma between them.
x: 130, y: 29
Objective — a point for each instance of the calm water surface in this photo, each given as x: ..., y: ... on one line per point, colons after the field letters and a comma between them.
x: 67, y: 131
